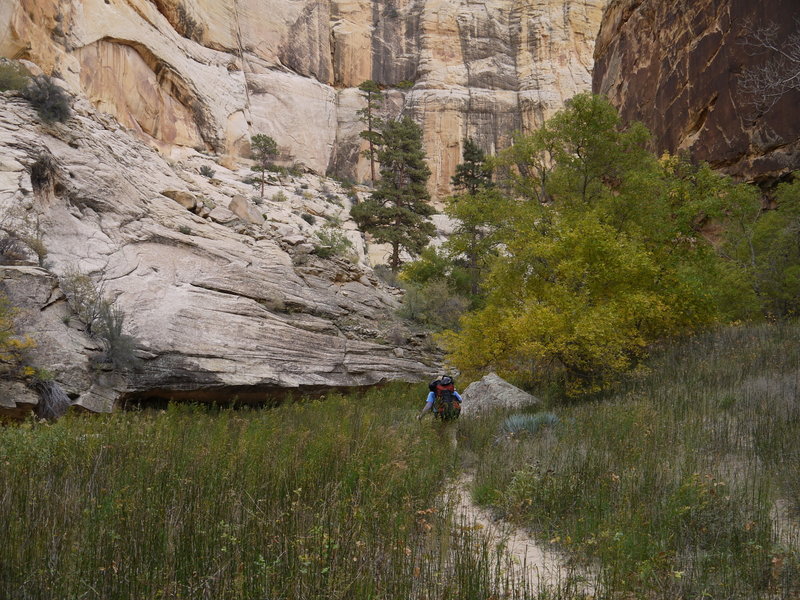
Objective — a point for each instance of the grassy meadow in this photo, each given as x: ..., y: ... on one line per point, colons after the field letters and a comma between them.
x: 682, y: 483
x: 317, y: 499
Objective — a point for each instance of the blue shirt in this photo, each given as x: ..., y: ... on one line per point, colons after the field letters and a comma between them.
x: 432, y: 397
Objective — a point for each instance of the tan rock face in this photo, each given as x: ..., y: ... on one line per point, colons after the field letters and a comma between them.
x: 211, y: 73
x: 220, y: 306
x: 676, y: 67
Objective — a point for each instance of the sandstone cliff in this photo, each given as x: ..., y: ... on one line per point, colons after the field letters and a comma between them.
x: 210, y: 73
x: 222, y: 301
x: 678, y: 66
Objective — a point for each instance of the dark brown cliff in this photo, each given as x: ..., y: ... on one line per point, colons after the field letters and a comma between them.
x: 678, y: 66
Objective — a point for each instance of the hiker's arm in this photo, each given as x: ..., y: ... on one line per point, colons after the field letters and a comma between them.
x: 428, y: 405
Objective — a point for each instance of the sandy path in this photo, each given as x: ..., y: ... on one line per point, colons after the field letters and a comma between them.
x: 539, y: 568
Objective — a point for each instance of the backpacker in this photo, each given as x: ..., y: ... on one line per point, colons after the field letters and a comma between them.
x: 445, y: 405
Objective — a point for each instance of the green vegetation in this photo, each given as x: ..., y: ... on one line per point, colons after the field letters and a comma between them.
x: 13, y: 76
x: 589, y: 249
x: 50, y: 101
x: 264, y: 149
x: 369, y: 116
x: 332, y: 499
x: 331, y: 242
x: 397, y: 211
x: 101, y: 315
x: 683, y: 483
x: 12, y: 345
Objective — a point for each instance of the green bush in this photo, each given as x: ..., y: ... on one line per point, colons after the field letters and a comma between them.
x: 207, y: 171
x: 50, y: 101
x: 331, y: 242
x: 103, y: 319
x: 434, y: 304
x: 310, y: 219
x: 13, y: 76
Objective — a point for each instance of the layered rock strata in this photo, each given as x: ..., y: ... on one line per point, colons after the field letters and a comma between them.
x: 222, y: 290
x: 679, y: 66
x: 210, y: 73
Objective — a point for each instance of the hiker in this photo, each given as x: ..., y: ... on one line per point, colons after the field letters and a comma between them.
x: 443, y: 400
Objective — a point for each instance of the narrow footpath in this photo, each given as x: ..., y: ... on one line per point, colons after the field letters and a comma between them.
x: 540, y: 569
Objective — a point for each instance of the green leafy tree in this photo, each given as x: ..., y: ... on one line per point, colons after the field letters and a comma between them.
x: 264, y: 149
x: 767, y: 244
x: 368, y: 115
x: 397, y: 211
x: 603, y: 252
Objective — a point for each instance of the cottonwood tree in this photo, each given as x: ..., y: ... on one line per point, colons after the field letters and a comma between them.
x: 369, y: 116
x: 779, y: 74
x: 397, y: 211
x: 264, y: 149
x: 602, y: 254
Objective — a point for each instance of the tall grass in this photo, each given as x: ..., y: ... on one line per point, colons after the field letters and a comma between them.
x: 684, y: 483
x: 339, y: 498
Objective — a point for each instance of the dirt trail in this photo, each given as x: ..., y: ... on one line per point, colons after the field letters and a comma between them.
x: 537, y: 567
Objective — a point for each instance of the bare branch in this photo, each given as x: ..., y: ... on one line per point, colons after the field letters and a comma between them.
x: 779, y: 74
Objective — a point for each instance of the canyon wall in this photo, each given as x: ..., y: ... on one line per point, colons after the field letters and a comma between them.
x: 679, y: 68
x: 210, y: 73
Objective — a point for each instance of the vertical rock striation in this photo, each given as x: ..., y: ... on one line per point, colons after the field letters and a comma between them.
x: 678, y: 66
x: 210, y: 73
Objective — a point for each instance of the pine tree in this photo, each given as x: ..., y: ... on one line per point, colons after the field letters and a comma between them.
x: 473, y: 174
x: 470, y: 209
x: 264, y: 149
x: 372, y: 92
x: 398, y: 210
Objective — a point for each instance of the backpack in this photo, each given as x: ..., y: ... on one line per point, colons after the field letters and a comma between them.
x: 445, y: 405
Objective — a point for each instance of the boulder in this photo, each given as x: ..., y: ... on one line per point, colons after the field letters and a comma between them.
x: 242, y: 208
x: 493, y: 392
x: 17, y: 400
x: 182, y: 197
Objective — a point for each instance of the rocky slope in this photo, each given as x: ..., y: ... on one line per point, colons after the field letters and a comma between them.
x: 678, y: 67
x: 210, y: 73
x: 222, y: 301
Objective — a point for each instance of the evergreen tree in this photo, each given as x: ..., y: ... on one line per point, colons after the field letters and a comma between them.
x: 473, y: 174
x: 264, y: 149
x: 372, y: 93
x: 398, y: 210
x: 471, y: 210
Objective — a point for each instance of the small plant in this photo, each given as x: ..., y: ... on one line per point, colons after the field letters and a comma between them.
x: 405, y: 85
x: 207, y: 171
x: 279, y: 196
x: 332, y: 242
x: 310, y: 219
x: 13, y: 76
x: 102, y: 317
x: 50, y: 101
x: 185, y: 229
x: 516, y: 425
x: 334, y: 220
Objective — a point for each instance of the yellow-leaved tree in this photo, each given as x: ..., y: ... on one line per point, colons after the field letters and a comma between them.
x: 600, y: 249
